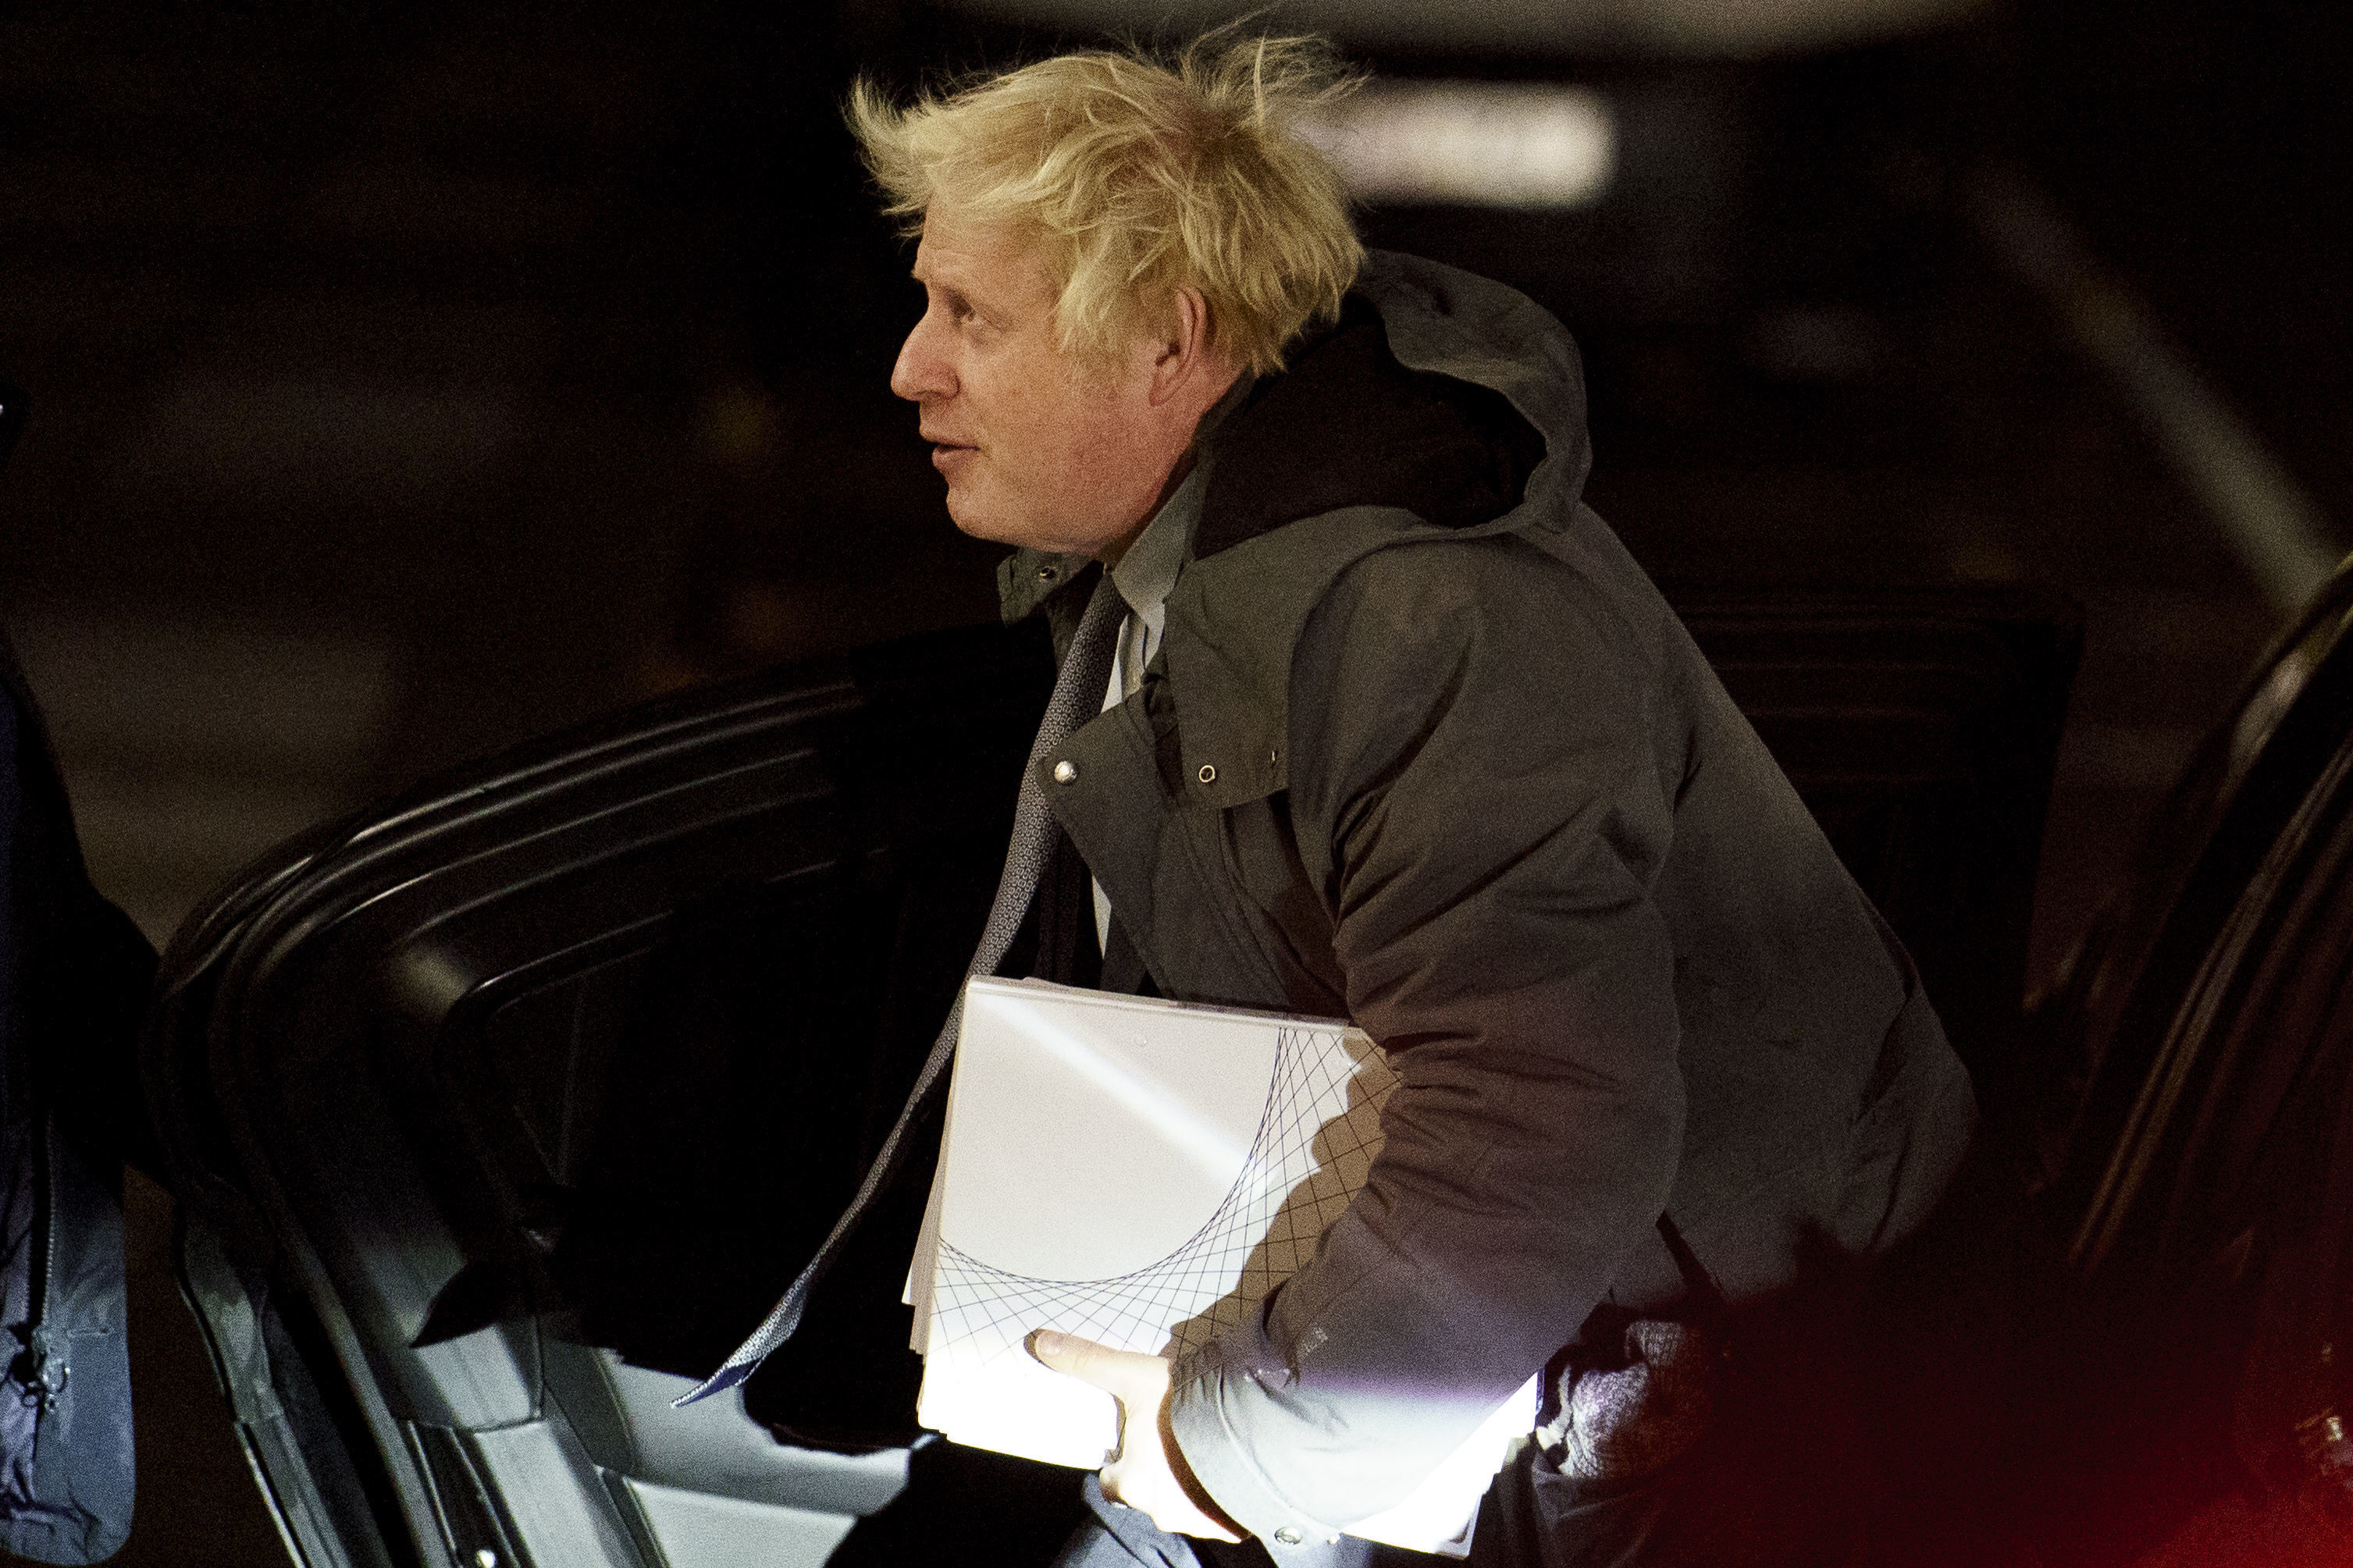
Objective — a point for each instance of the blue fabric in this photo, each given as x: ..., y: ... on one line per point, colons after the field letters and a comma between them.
x: 73, y: 980
x: 7, y: 894
x: 17, y: 1183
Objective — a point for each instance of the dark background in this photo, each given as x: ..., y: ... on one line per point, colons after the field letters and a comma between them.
x: 407, y: 378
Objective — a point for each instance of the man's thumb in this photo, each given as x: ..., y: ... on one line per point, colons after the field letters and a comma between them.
x: 1114, y: 1372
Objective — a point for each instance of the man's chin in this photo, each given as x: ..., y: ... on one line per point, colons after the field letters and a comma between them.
x: 984, y: 521
x: 978, y: 521
x: 1004, y: 525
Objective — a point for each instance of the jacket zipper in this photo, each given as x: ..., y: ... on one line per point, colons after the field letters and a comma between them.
x: 46, y: 1363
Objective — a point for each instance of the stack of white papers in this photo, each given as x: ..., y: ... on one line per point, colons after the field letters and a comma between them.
x: 1141, y: 1174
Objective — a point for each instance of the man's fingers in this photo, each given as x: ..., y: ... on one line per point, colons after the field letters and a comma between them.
x: 1126, y: 1374
x: 1139, y: 1474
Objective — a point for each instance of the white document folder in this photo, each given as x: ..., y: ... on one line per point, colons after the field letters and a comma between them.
x: 1142, y: 1172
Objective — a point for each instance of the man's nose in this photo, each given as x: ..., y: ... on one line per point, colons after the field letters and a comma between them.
x: 922, y: 372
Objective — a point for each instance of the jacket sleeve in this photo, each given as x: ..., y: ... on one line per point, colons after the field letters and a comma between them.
x: 1476, y: 784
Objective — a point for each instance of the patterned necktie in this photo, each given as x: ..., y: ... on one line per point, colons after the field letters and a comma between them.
x: 1077, y: 696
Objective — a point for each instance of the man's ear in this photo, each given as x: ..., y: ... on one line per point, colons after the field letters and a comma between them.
x: 1183, y: 351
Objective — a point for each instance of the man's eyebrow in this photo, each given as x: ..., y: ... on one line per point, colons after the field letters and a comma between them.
x: 954, y: 296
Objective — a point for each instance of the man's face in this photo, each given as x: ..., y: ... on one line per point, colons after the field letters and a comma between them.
x: 1038, y: 447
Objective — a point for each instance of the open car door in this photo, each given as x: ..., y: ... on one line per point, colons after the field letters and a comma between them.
x: 499, y: 1117
x: 493, y: 1116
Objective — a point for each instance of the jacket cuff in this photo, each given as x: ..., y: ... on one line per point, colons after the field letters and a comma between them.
x: 1204, y: 1391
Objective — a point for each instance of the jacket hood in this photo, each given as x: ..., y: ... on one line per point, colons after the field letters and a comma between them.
x: 1349, y: 425
x: 1432, y: 374
x: 1439, y: 391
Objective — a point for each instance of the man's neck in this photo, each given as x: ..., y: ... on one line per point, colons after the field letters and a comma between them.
x: 1110, y: 553
x: 1236, y: 389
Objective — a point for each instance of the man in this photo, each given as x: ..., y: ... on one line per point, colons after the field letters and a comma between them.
x: 1397, y: 731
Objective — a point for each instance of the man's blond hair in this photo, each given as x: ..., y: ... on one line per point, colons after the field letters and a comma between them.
x: 1135, y: 177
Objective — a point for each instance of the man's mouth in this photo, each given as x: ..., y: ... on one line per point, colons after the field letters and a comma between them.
x: 944, y: 453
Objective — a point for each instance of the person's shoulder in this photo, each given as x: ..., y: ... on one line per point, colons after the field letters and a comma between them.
x: 1451, y: 593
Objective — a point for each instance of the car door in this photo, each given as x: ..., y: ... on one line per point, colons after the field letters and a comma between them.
x: 493, y: 1115
x: 499, y: 1115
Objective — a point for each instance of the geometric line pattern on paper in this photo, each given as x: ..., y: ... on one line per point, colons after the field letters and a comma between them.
x: 1315, y: 1140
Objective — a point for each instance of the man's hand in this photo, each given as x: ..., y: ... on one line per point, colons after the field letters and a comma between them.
x: 1148, y: 1472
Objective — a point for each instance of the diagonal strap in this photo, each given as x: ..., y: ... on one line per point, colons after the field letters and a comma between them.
x: 1077, y: 696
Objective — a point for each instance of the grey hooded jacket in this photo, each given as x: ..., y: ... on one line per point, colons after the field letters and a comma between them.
x: 1473, y: 786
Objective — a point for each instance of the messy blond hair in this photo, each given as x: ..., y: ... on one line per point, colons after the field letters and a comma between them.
x: 1136, y: 176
